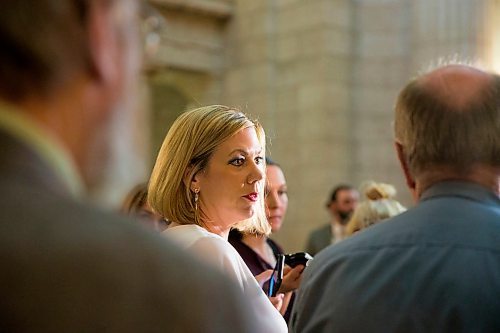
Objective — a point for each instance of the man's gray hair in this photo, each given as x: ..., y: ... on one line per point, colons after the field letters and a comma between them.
x: 436, y: 132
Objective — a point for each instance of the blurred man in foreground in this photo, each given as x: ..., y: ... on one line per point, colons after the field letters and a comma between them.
x: 65, y: 68
x: 436, y: 267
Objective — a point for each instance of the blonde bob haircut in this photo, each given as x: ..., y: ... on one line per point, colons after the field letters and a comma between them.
x: 378, y: 206
x: 186, y: 150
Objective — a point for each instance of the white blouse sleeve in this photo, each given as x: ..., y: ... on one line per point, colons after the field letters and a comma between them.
x: 221, y: 254
x: 216, y: 252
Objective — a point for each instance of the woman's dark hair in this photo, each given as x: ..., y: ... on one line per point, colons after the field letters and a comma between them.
x: 269, y: 161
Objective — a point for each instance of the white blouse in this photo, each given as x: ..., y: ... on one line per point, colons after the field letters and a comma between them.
x: 216, y: 250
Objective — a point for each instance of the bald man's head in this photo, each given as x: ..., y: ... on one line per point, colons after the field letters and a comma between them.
x: 449, y: 118
x: 456, y: 86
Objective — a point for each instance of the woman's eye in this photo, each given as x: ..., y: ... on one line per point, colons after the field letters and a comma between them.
x: 237, y: 161
x: 282, y: 192
x: 259, y: 160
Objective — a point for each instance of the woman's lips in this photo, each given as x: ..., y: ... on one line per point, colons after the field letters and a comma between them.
x: 274, y: 218
x: 252, y: 196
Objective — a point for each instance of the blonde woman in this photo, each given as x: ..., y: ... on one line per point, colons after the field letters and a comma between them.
x: 378, y: 205
x: 259, y: 251
x: 209, y: 178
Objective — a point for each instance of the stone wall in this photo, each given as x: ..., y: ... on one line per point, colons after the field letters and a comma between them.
x: 289, y: 64
x: 321, y: 75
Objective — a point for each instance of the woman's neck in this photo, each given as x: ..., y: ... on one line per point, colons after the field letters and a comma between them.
x: 215, y: 224
x: 215, y: 229
x: 258, y: 243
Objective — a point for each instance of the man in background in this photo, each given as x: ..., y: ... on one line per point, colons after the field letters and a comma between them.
x: 343, y: 201
x: 66, y: 68
x: 436, y: 267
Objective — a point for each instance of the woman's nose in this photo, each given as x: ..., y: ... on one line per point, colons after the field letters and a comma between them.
x: 272, y: 200
x: 256, y: 173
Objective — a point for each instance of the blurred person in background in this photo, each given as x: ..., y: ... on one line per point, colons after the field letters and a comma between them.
x: 135, y: 204
x: 379, y: 204
x: 208, y: 178
x: 258, y: 250
x: 342, y: 203
x: 66, y: 68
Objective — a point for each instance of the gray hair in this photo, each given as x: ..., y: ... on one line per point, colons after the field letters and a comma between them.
x: 436, y: 132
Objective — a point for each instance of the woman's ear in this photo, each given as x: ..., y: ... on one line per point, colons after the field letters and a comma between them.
x: 191, y: 180
x: 195, y: 183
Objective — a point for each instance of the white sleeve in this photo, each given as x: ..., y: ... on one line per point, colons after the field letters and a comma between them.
x: 220, y: 253
x: 216, y: 252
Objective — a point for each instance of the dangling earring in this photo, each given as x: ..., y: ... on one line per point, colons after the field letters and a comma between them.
x: 196, y: 191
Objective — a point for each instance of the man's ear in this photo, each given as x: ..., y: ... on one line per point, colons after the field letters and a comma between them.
x: 332, y: 207
x: 102, y: 39
x: 410, y: 181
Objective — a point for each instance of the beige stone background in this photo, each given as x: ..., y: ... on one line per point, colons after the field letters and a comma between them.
x: 321, y: 76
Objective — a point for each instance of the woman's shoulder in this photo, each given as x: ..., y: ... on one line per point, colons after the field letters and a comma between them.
x: 188, y: 235
x: 218, y: 252
x: 214, y: 244
x: 199, y: 240
x: 277, y: 249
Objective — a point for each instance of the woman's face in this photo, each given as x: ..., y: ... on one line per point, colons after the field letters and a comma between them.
x: 151, y: 219
x: 231, y: 184
x: 277, y: 198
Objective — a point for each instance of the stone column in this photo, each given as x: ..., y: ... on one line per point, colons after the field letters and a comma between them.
x: 382, y: 55
x: 289, y: 64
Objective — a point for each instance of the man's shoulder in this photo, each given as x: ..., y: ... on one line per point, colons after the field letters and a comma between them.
x: 318, y: 239
x: 405, y: 260
x: 321, y: 230
x: 52, y: 221
x: 88, y: 256
x: 440, y: 224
